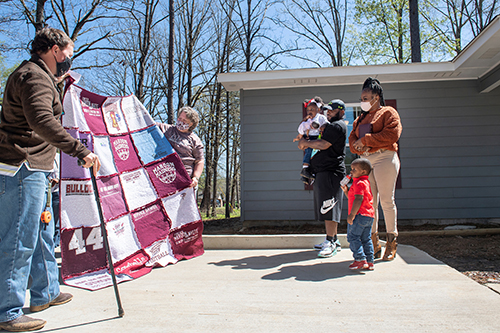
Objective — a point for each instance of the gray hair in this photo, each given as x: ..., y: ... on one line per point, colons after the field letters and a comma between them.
x: 191, y: 114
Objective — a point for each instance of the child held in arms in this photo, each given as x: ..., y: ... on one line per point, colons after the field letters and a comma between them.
x: 309, y: 129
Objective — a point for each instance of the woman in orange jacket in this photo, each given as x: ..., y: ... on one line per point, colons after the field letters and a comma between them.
x: 375, y: 136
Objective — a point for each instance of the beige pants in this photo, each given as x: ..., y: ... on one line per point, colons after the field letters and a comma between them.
x: 383, y: 184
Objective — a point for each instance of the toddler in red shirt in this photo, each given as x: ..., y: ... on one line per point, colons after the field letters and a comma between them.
x: 361, y: 214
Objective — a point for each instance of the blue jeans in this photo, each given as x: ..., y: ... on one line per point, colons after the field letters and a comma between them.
x: 359, y: 238
x: 308, y: 151
x: 307, y: 156
x: 26, y: 246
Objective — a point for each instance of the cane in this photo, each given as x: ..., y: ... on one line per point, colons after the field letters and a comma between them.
x: 106, y: 243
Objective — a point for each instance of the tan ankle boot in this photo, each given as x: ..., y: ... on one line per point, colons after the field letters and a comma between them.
x: 377, y: 248
x: 390, y: 247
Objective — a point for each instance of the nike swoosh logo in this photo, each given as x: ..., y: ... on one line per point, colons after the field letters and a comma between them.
x: 327, y: 205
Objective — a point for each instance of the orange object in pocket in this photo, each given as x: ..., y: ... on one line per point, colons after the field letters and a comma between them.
x: 46, y: 217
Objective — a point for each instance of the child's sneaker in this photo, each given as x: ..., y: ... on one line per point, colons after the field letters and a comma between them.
x: 306, y: 174
x: 370, y: 267
x: 359, y: 265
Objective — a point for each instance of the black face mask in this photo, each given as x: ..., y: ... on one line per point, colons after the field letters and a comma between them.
x: 63, y: 67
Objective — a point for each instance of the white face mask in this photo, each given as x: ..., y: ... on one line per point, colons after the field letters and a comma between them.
x: 366, y: 106
x: 182, y: 126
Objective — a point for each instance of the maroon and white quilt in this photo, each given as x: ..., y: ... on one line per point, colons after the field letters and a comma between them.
x: 150, y: 213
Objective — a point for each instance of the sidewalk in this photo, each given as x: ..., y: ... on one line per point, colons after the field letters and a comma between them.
x: 285, y: 290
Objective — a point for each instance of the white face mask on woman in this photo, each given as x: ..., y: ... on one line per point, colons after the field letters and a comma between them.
x: 182, y: 126
x: 366, y: 106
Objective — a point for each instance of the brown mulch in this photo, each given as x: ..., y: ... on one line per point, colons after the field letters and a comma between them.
x: 478, y: 257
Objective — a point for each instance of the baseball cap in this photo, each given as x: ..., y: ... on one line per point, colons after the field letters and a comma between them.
x: 336, y: 104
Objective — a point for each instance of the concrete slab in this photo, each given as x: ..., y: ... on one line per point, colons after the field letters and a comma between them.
x: 494, y: 286
x: 286, y: 291
x: 288, y: 241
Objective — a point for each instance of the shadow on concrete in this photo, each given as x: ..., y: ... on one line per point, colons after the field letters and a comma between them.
x: 266, y: 262
x: 413, y: 256
x: 76, y: 325
x: 315, y: 273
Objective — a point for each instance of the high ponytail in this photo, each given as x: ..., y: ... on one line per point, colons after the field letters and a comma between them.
x: 374, y: 86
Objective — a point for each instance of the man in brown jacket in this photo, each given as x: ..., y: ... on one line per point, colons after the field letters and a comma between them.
x: 30, y: 132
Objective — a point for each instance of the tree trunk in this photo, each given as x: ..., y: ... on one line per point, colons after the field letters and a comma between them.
x: 216, y: 145
x: 415, y: 32
x: 40, y: 15
x: 170, y: 80
x: 400, y: 35
x: 207, y: 197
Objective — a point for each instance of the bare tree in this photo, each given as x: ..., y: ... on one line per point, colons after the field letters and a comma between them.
x: 211, y: 103
x: 233, y: 140
x: 193, y: 40
x: 320, y: 24
x: 480, y: 13
x: 82, y: 21
x: 450, y: 23
x: 170, y: 76
x: 384, y: 38
x: 248, y: 21
x: 38, y: 19
x: 137, y: 54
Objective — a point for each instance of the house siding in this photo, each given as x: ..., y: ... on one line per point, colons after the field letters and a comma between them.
x: 449, y: 149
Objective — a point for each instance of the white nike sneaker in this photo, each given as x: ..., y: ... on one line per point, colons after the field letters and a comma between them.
x: 328, y: 250
x: 337, y: 245
x: 318, y: 247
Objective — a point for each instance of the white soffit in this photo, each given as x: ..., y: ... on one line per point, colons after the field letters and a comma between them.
x: 483, y: 53
x: 476, y: 60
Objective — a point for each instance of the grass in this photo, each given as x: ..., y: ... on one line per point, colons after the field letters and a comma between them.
x: 221, y: 214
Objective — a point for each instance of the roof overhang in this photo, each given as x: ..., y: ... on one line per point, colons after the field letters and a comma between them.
x: 480, y: 60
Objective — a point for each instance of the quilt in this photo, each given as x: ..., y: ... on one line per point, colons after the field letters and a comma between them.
x: 150, y: 212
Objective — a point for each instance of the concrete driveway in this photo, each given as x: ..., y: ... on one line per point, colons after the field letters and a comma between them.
x: 286, y: 290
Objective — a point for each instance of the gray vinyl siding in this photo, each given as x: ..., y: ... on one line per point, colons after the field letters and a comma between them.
x: 449, y: 149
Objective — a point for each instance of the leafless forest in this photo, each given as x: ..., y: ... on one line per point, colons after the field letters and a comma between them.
x: 169, y: 53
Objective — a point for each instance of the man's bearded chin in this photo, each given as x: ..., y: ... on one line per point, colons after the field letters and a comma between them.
x: 335, y: 118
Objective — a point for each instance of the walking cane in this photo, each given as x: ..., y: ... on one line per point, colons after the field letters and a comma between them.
x: 106, y: 243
